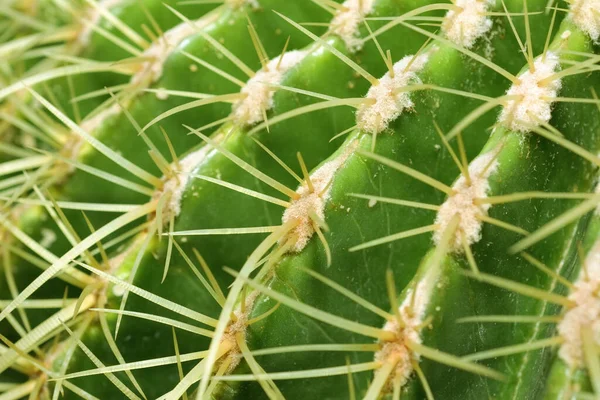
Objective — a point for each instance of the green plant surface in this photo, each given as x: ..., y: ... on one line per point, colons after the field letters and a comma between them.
x: 126, y: 141
x: 448, y: 180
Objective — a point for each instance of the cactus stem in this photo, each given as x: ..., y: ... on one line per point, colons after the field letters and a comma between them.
x: 556, y: 224
x: 350, y: 295
x: 408, y: 171
x: 278, y: 160
x: 247, y: 167
x: 215, y: 43
x: 561, y: 141
x: 352, y: 64
x: 527, y: 52
x: 465, y: 51
x: 219, y: 298
x: 551, y: 273
x: 214, y: 69
x: 476, y: 113
x: 520, y: 288
x: 308, y: 109
x: 226, y: 98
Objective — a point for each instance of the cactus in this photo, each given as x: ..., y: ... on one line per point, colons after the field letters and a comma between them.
x: 299, y: 199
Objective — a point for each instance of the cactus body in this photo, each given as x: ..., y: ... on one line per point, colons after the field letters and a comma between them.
x: 276, y: 199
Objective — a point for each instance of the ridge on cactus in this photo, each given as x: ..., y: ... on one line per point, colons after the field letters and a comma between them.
x: 316, y: 199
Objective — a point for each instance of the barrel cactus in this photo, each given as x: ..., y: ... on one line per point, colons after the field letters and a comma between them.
x: 309, y: 199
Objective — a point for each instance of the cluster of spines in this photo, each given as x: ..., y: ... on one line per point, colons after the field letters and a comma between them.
x: 289, y: 235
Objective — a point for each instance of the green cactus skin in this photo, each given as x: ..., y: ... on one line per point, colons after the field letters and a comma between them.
x: 196, y: 301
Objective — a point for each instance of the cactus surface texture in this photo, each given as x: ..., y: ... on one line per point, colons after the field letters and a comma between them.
x: 300, y: 199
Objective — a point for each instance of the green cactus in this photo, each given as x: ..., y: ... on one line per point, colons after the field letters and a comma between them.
x: 299, y: 199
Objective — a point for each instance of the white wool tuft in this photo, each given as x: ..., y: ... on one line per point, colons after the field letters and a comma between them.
x: 348, y: 19
x: 586, y: 15
x: 158, y: 52
x: 462, y: 202
x: 585, y: 313
x: 93, y: 18
x: 239, y: 326
x: 308, y: 202
x: 412, y: 312
x: 466, y: 25
x: 259, y: 89
x: 387, y: 105
x: 176, y: 185
x: 534, y: 105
